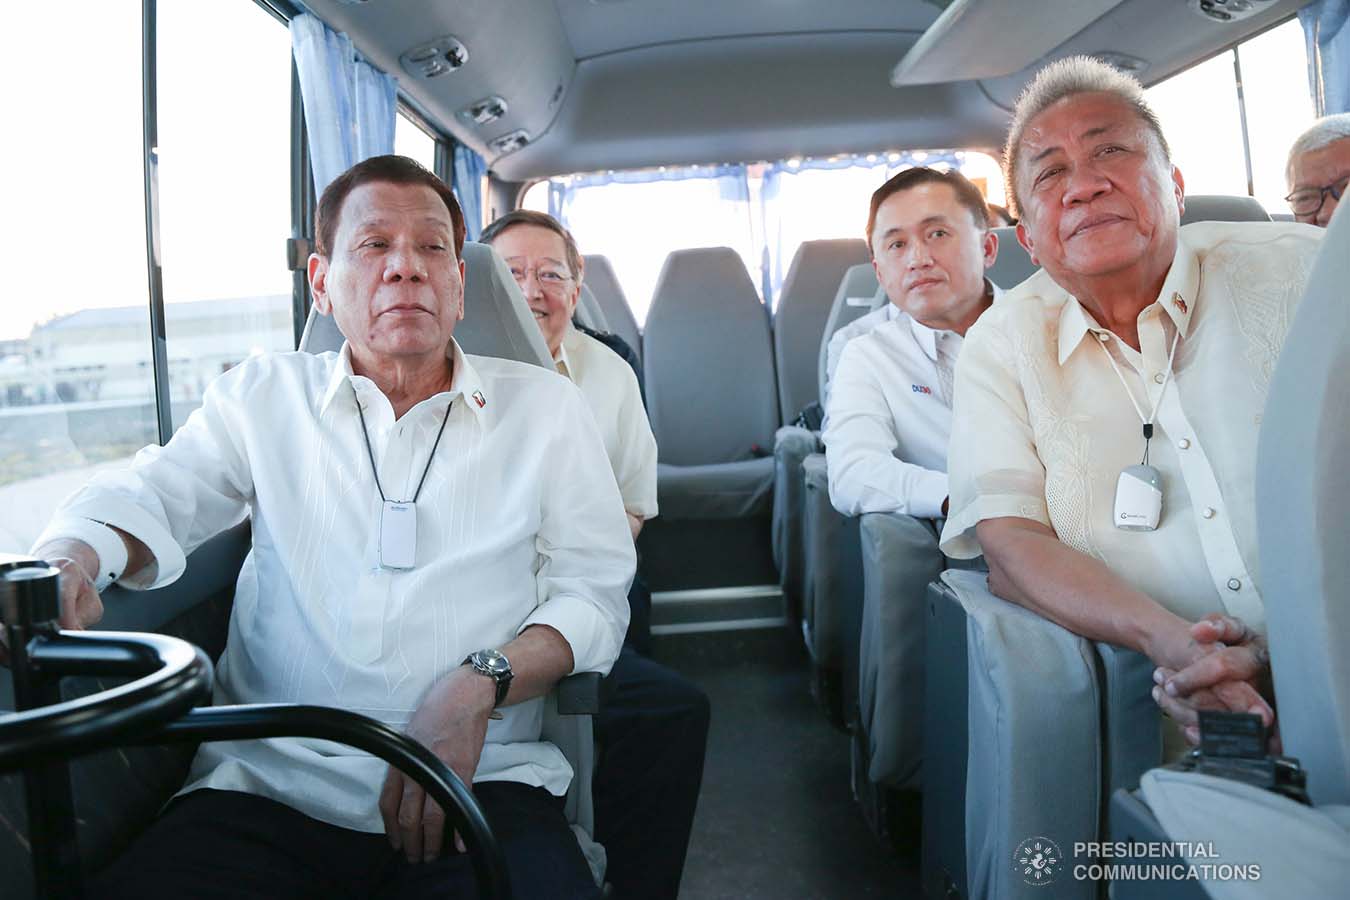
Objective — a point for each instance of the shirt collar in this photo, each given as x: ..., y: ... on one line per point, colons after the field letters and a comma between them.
x: 465, y: 383
x: 562, y: 360
x: 1179, y: 294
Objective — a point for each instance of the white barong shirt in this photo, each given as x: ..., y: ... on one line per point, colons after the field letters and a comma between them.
x: 520, y: 523
x: 1043, y: 426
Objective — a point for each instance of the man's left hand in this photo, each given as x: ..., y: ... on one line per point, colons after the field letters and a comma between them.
x: 451, y: 722
x: 1229, y: 678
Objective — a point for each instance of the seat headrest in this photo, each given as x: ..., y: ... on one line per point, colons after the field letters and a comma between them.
x: 1223, y: 208
x: 589, y: 312
x: 497, y: 321
x: 858, y: 294
x: 1013, y: 264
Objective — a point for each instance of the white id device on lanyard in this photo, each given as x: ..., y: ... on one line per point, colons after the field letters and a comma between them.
x: 398, y: 535
x: 1139, y: 495
x: 1138, y: 499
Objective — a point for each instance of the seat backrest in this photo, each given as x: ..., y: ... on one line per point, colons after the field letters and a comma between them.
x: 803, y: 308
x: 1013, y: 264
x: 1303, y: 520
x: 1223, y: 208
x: 605, y: 285
x: 708, y: 360
x: 497, y: 321
x: 857, y: 295
x: 589, y: 312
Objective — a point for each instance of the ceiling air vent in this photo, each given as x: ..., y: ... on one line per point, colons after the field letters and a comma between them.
x: 445, y: 54
x: 487, y: 110
x: 1122, y: 61
x: 509, y: 143
x: 1228, y: 10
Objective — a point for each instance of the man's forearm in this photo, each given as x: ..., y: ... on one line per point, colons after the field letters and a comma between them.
x: 540, y: 657
x: 1030, y: 566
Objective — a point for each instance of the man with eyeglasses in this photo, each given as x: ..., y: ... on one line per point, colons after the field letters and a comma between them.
x: 1319, y: 169
x: 653, y: 727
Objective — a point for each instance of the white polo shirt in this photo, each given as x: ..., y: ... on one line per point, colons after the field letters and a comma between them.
x: 611, y: 390
x: 1043, y: 426
x: 834, y: 350
x: 889, y: 419
x: 519, y: 524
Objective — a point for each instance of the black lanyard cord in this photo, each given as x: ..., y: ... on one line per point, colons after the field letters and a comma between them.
x: 371, y: 452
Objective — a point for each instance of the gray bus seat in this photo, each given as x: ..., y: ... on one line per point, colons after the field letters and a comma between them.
x: 818, y: 273
x: 1303, y: 851
x: 609, y: 295
x: 804, y: 305
x: 832, y: 596
x: 858, y: 294
x: 1013, y: 264
x: 900, y: 556
x: 588, y: 310
x: 1027, y: 713
x: 1223, y: 208
x: 714, y: 410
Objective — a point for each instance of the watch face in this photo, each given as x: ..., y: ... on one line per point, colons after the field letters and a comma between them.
x: 494, y: 662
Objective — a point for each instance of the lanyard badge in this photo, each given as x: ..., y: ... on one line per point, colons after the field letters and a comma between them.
x: 398, y: 518
x: 1139, y: 497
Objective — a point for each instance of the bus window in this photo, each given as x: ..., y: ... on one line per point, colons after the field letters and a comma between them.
x: 1201, y: 115
x: 76, y: 382
x: 763, y: 211
x: 223, y: 225
x: 411, y: 141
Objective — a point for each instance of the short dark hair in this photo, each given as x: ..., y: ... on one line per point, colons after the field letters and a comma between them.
x: 391, y: 169
x: 967, y: 194
x: 539, y: 220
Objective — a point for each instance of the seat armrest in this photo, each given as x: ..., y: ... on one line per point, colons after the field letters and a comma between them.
x: 1132, y: 732
x: 579, y: 694
x: 1033, y: 766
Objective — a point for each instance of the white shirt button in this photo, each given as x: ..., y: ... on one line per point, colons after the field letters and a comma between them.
x: 1207, y: 512
x: 1103, y: 337
x: 1158, y: 378
x: 1234, y: 584
x: 1184, y: 443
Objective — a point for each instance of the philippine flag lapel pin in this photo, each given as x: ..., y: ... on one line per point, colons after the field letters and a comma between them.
x: 479, y: 399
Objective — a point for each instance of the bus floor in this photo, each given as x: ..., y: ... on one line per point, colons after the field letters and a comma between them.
x: 776, y: 817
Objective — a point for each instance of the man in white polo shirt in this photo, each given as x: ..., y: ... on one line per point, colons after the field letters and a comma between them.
x: 887, y: 420
x: 1103, y: 452
x: 889, y: 412
x: 435, y: 537
x: 653, y: 726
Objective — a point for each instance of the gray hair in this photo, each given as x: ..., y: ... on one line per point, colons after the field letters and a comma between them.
x: 1324, y: 131
x: 1065, y: 78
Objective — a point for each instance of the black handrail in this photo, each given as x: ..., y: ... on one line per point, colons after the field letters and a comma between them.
x: 230, y: 723
x: 155, y: 708
x: 179, y: 678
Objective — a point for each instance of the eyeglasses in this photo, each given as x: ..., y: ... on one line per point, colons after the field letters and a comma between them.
x: 550, y: 280
x: 1307, y: 202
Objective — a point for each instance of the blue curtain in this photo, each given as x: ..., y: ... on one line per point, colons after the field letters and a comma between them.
x: 1328, y: 38
x: 467, y: 181
x: 350, y: 105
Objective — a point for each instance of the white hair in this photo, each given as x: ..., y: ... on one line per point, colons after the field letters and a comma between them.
x: 1327, y: 130
x: 1065, y: 78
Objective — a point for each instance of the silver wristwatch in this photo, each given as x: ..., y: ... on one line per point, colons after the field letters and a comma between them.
x: 495, y: 665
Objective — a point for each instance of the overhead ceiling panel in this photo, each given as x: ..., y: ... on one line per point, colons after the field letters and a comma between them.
x: 992, y: 38
x: 597, y: 27
x: 739, y: 99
